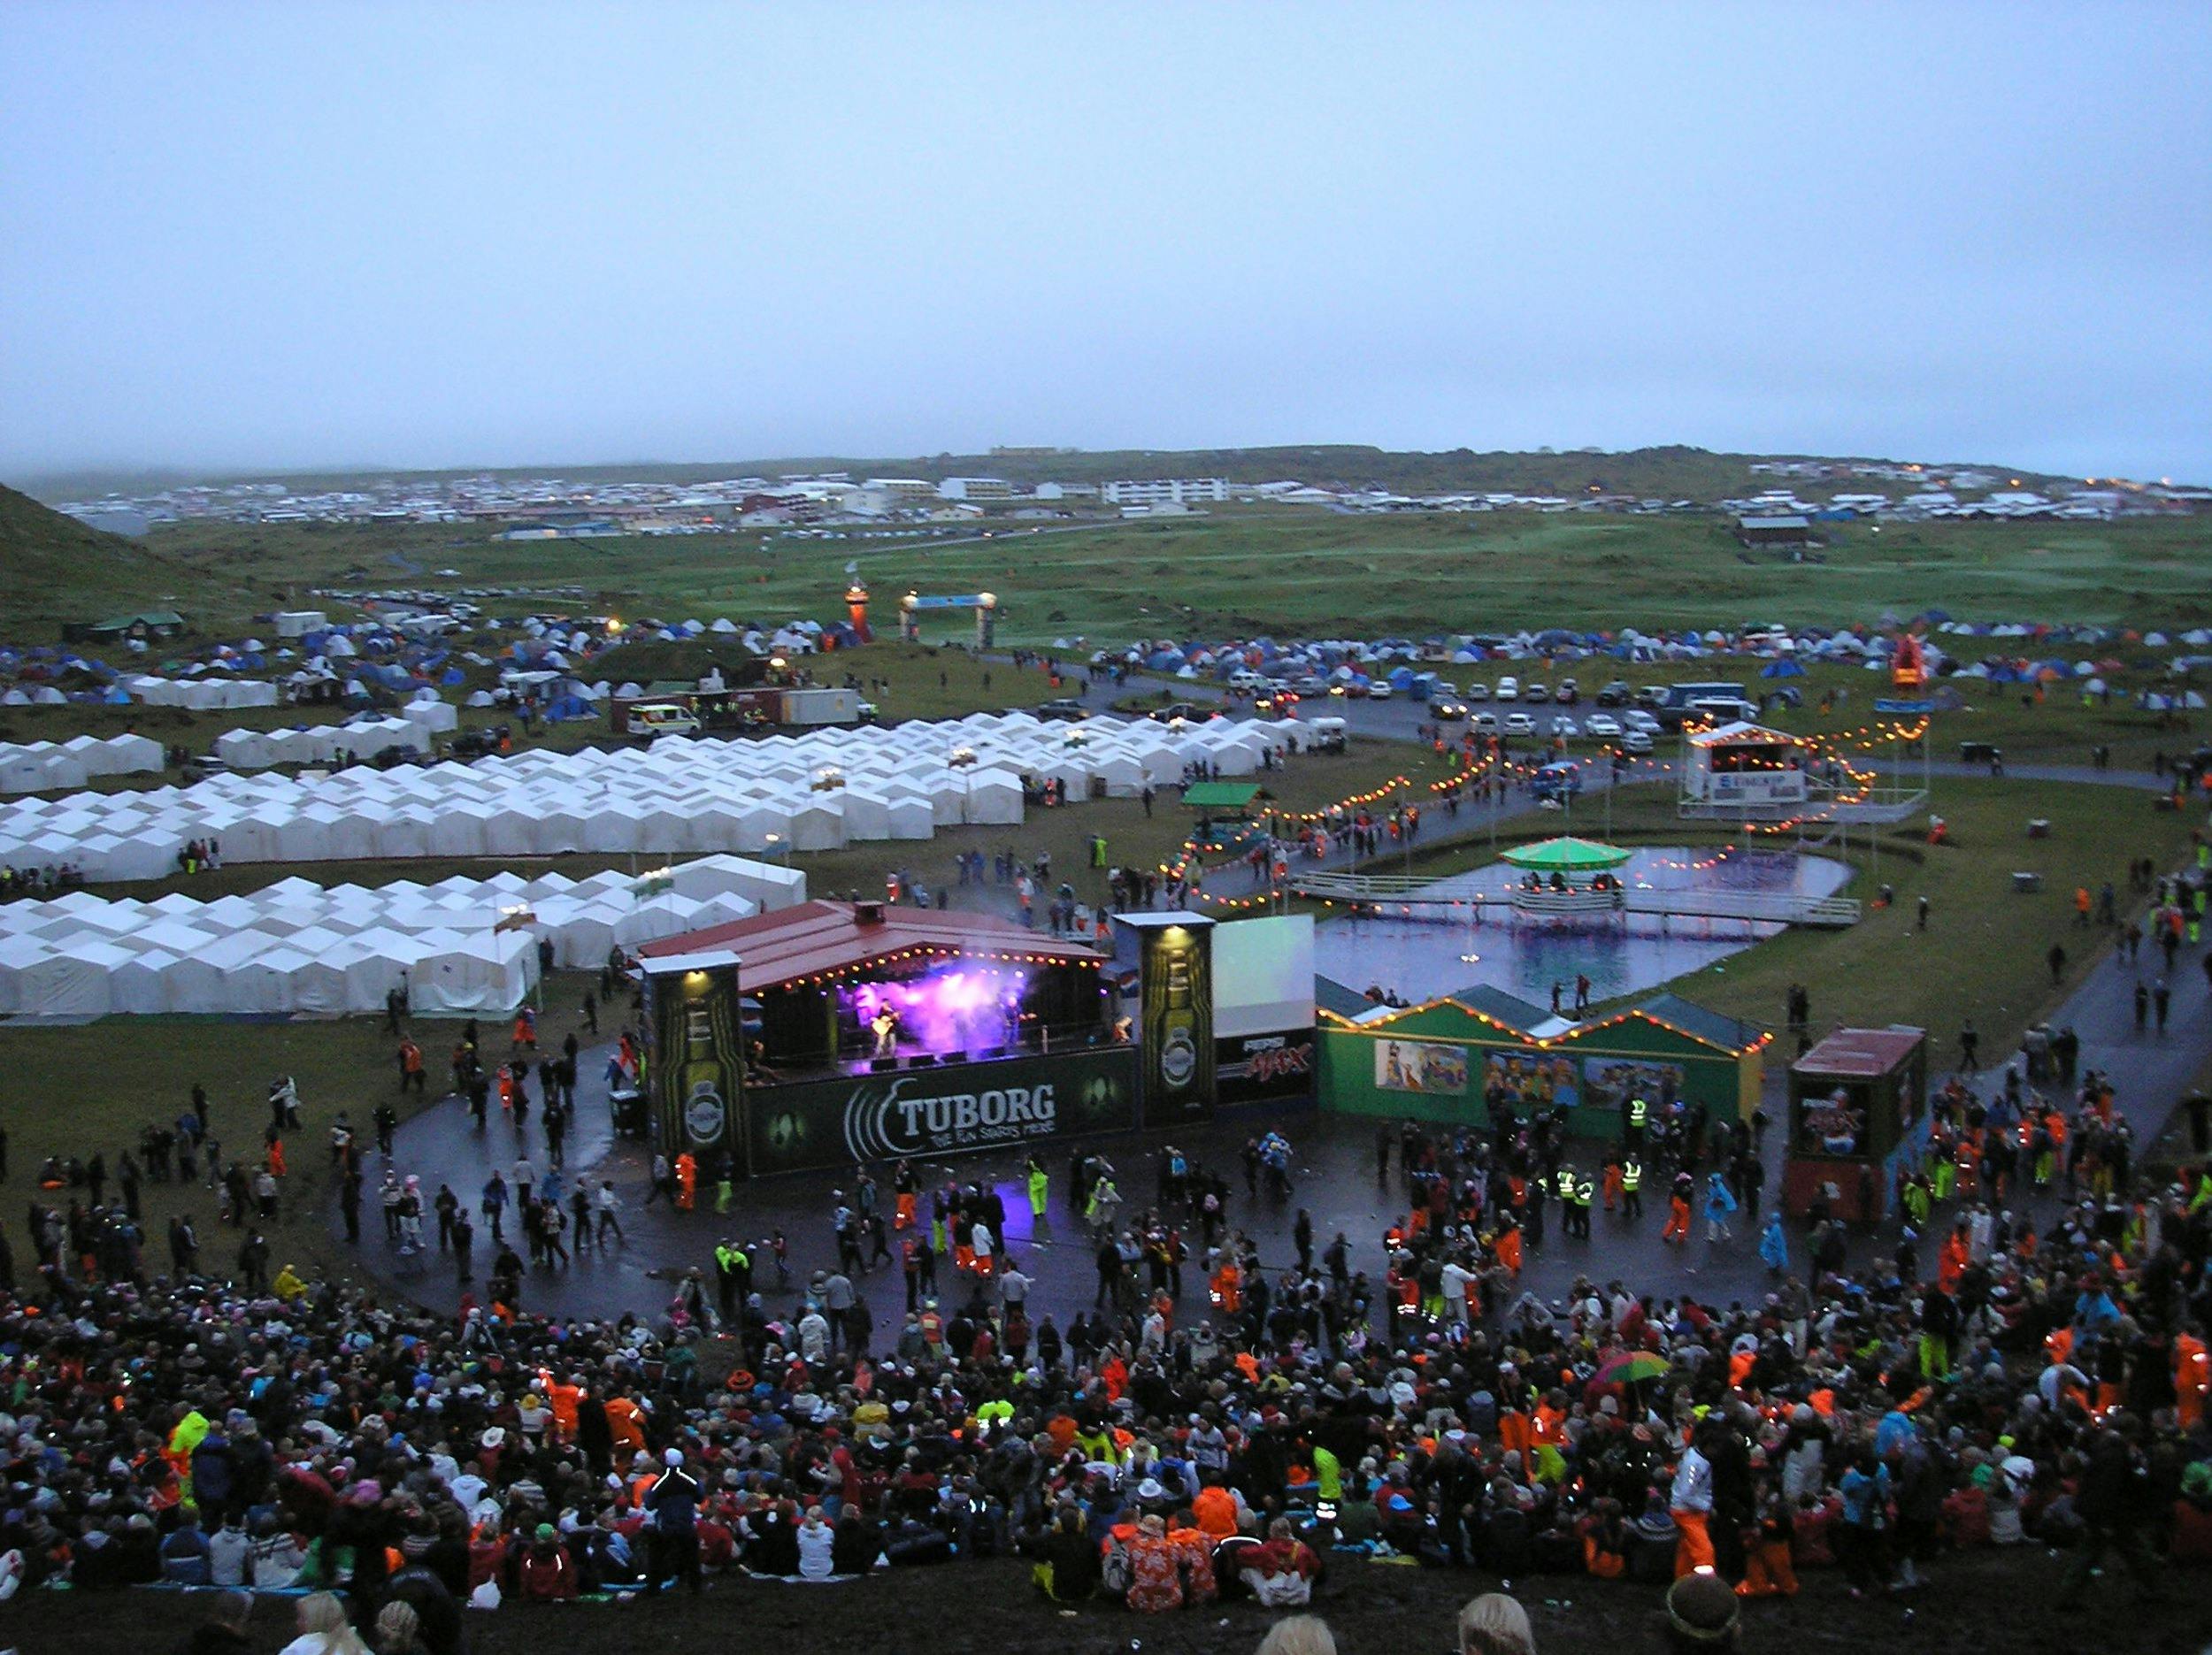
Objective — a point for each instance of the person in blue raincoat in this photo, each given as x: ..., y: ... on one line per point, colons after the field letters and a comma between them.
x: 1774, y: 1246
x: 1718, y: 1203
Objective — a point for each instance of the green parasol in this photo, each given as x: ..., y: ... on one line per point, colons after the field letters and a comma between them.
x: 1566, y: 855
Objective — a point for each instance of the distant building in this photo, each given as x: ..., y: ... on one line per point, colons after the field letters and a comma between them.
x: 1777, y: 533
x: 910, y: 488
x: 975, y: 488
x: 1171, y: 491
x: 136, y: 623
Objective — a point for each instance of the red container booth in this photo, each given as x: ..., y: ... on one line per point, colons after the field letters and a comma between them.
x: 1858, y: 1116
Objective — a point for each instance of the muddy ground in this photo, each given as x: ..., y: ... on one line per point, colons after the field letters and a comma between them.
x: 1985, y: 1602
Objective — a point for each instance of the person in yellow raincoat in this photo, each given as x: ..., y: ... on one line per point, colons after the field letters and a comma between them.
x: 287, y: 1285
x: 178, y: 1452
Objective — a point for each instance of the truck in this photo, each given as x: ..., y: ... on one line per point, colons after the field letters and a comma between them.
x: 1676, y: 703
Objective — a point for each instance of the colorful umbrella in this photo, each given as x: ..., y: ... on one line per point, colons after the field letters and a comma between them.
x: 1625, y: 1367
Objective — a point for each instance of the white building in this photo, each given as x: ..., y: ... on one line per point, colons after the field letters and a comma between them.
x: 1171, y: 491
x: 912, y: 488
x: 975, y: 488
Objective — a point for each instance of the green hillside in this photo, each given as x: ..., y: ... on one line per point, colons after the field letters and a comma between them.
x: 58, y: 569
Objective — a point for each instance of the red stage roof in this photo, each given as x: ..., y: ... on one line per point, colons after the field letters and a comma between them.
x: 780, y: 948
x: 1860, y: 1054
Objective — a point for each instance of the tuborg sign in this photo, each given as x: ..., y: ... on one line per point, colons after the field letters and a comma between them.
x: 958, y: 1109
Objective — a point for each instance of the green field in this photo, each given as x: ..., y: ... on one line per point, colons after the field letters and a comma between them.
x: 1261, y: 569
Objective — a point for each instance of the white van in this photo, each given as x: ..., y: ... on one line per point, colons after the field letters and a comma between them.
x: 1248, y: 682
x: 1509, y: 688
x: 654, y: 719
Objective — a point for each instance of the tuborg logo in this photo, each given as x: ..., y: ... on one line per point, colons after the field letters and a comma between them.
x: 704, y: 1113
x: 883, y: 1122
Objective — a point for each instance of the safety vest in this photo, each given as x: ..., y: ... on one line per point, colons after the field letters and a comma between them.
x: 1631, y: 1174
x: 729, y: 1259
x: 1566, y: 1184
x: 1636, y: 1107
x: 1584, y: 1192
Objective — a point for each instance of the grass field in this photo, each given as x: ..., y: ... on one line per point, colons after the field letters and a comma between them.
x: 1240, y: 571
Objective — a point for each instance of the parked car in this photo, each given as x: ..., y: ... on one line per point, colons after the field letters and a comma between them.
x: 1519, y: 725
x: 1602, y: 724
x: 1637, y: 719
x: 1379, y: 690
x: 1486, y: 721
x: 1568, y: 693
x: 1509, y: 688
x: 1614, y: 694
x: 1637, y: 742
x: 1536, y: 690
x: 1066, y: 708
x: 1565, y: 726
x: 1478, y: 691
x: 1312, y: 683
x: 1560, y: 780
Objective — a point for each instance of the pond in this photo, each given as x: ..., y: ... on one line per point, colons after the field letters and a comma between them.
x: 1436, y: 948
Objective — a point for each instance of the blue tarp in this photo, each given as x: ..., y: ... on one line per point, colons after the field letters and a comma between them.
x: 566, y: 709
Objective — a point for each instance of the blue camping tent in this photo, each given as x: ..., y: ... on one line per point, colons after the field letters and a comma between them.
x: 1783, y: 669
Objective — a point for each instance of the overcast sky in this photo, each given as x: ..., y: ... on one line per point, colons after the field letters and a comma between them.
x: 301, y: 234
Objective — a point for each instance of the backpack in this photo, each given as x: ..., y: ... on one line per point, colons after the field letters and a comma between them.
x: 1116, y: 1572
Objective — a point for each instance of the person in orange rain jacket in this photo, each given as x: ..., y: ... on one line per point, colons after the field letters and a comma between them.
x: 1228, y: 1288
x: 1510, y: 1249
x: 563, y: 1398
x: 626, y: 1422
x: 1677, y: 1220
x: 276, y: 1156
x: 1216, y: 1509
x: 2192, y: 1377
x: 1952, y: 1261
x: 686, y: 1181
x: 1517, y: 1434
x: 1612, y: 1181
x: 1968, y: 1159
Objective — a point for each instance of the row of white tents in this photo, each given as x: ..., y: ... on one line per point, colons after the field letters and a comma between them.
x: 201, y: 694
x: 817, y: 791
x: 29, y: 767
x: 415, y: 725
x: 461, y: 948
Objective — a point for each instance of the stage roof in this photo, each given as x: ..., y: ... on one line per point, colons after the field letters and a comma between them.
x: 818, y: 938
x: 1859, y: 1053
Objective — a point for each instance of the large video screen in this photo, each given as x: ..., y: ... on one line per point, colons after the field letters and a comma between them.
x: 1263, y: 975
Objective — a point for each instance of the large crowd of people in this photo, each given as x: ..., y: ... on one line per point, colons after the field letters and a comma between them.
x: 1248, y: 1431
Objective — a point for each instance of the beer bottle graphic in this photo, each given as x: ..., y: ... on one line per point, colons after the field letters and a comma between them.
x: 701, y: 1087
x: 1179, y: 1024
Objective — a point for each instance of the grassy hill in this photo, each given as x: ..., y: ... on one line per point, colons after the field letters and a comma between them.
x: 58, y: 568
